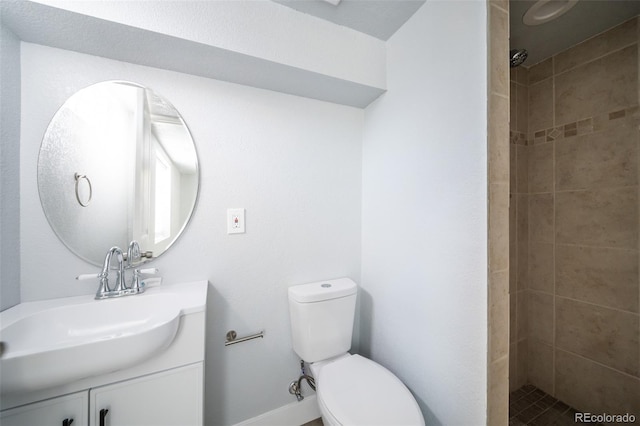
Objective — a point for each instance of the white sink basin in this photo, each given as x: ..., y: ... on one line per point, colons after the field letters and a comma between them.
x: 51, y: 343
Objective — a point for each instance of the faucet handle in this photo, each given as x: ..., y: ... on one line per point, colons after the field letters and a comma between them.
x: 83, y: 277
x: 104, y: 283
x: 136, y: 285
x: 139, y: 259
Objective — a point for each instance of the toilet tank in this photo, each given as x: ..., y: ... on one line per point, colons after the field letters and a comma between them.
x: 322, y: 316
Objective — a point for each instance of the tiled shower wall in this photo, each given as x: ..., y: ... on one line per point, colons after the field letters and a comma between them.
x: 575, y: 290
x: 518, y: 228
x: 498, y: 236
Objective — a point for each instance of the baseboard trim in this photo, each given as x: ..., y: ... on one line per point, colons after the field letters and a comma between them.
x: 294, y: 414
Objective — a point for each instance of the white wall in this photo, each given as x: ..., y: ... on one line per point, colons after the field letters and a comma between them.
x: 9, y: 168
x: 424, y: 203
x: 293, y: 163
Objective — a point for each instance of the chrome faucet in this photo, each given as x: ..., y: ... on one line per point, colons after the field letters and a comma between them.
x: 125, y: 261
x: 104, y: 290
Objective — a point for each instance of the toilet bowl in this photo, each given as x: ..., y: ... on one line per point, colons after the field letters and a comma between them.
x: 351, y: 389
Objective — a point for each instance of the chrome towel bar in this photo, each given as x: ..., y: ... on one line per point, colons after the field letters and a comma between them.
x: 232, y: 337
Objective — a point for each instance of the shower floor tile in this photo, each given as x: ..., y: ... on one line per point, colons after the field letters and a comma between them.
x: 531, y: 406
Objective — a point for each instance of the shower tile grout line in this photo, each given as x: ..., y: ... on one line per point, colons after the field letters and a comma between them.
x: 608, y: 367
x: 624, y: 311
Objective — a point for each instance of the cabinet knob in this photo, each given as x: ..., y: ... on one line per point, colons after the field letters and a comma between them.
x: 103, y: 415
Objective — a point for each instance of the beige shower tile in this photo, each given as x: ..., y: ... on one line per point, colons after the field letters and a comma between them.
x: 522, y: 276
x: 585, y: 126
x: 541, y: 220
x: 513, y: 216
x: 598, y: 160
x: 602, y: 217
x: 498, y: 395
x: 513, y: 277
x: 541, y: 105
x: 513, y: 272
x: 541, y: 168
x: 513, y: 245
x: 513, y: 315
x: 522, y: 363
x: 498, y: 227
x: 603, y: 276
x: 541, y: 267
x: 522, y: 178
x: 498, y: 51
x: 541, y: 71
x: 498, y: 139
x: 601, y: 334
x: 499, y: 315
x: 522, y: 243
x: 540, y: 365
x: 606, y: 84
x: 600, y: 122
x: 513, y: 368
x: 523, y: 76
x: 513, y: 169
x: 591, y: 387
x: 523, y: 109
x: 503, y: 4
x: 537, y: 137
x: 513, y: 106
x: 614, y: 39
x: 540, y: 318
x: 522, y: 219
x: 522, y: 314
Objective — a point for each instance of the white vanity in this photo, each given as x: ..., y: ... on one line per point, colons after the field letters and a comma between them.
x: 136, y: 360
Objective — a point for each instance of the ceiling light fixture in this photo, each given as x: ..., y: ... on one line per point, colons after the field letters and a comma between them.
x: 546, y: 10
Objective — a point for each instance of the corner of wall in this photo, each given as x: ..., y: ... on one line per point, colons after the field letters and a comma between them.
x: 10, y: 170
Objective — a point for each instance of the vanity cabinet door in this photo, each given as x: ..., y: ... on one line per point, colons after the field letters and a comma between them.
x: 169, y: 398
x: 68, y: 410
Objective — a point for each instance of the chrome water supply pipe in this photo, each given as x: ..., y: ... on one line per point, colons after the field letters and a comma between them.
x: 295, y: 387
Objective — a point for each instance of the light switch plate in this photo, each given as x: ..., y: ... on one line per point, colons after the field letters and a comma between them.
x: 235, y: 221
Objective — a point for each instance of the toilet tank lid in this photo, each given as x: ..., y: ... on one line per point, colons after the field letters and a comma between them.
x: 322, y: 290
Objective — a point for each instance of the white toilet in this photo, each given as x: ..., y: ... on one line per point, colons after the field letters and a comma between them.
x: 351, y: 390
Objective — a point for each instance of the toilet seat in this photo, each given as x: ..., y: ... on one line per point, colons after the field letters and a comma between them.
x: 357, y: 391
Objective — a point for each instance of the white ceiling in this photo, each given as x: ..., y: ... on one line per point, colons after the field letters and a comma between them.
x: 382, y: 18
x: 378, y: 18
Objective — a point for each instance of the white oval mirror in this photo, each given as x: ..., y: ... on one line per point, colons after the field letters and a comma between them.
x: 117, y: 163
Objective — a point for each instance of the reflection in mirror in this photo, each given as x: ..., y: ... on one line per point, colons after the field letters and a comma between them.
x: 117, y: 163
